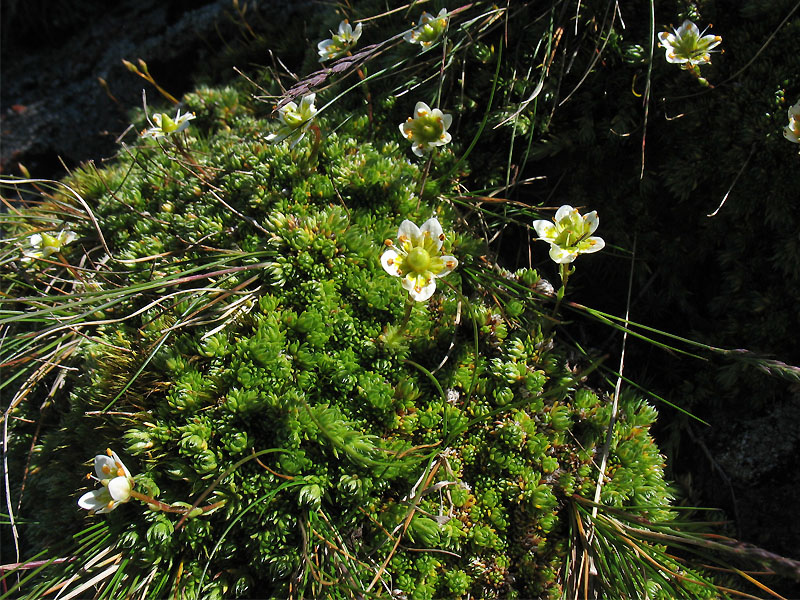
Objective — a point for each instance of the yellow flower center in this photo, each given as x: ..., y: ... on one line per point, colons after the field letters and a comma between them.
x: 418, y: 260
x: 428, y: 128
x: 293, y: 118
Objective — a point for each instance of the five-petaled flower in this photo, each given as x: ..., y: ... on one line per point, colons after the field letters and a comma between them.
x: 792, y: 131
x: 417, y: 258
x: 164, y: 125
x: 427, y: 128
x: 687, y: 46
x: 42, y: 245
x: 295, y: 120
x: 116, y: 482
x: 570, y: 234
x: 340, y: 43
x: 429, y: 29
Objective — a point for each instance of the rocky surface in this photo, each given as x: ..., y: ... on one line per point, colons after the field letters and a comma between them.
x: 757, y: 457
x: 53, y: 106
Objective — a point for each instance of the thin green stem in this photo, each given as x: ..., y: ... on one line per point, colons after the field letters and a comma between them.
x: 184, y: 510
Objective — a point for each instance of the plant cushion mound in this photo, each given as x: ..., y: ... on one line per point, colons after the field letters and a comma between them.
x: 365, y: 440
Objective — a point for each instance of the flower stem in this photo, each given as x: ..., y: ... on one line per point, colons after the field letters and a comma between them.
x: 564, y: 271
x: 169, y: 508
x: 695, y: 72
x: 367, y: 95
x: 424, y: 177
x: 69, y: 267
x: 317, y: 141
x: 204, y: 177
x: 406, y: 316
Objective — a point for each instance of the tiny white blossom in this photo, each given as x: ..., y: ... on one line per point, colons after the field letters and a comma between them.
x: 116, y: 482
x: 417, y: 258
x: 295, y: 120
x: 429, y: 29
x: 569, y: 235
x: 164, y: 125
x: 687, y: 45
x: 340, y: 43
x: 42, y: 245
x: 427, y: 128
x: 792, y: 131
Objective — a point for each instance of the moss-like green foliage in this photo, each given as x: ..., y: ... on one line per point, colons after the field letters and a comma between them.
x: 258, y: 360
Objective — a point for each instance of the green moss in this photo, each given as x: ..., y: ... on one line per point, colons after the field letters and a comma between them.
x: 309, y: 362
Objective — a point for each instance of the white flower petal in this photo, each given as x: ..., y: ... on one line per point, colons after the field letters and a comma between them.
x: 104, y: 467
x: 592, y: 244
x: 450, y: 263
x: 711, y: 41
x: 96, y: 500
x: 389, y: 264
x: 409, y: 281
x: 592, y: 220
x: 298, y: 137
x: 119, y: 463
x: 545, y: 229
x: 690, y: 28
x: 67, y: 237
x: 287, y: 108
x: 425, y: 293
x: 434, y: 230
x: 120, y: 489
x: 421, y: 294
x: 408, y: 231
x: 307, y: 103
x: 674, y: 59
x: 421, y: 109
x: 562, y: 255
x: 563, y: 212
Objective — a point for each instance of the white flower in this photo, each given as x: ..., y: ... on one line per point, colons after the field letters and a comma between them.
x: 687, y: 45
x: 116, y: 481
x: 295, y: 120
x: 340, y: 43
x: 417, y: 258
x: 427, y: 128
x: 569, y: 235
x: 429, y: 29
x: 165, y: 125
x: 42, y: 245
x: 792, y: 131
